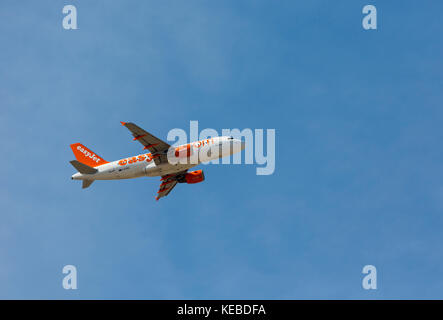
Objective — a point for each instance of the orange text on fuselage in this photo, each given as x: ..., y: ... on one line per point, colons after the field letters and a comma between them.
x: 149, y: 157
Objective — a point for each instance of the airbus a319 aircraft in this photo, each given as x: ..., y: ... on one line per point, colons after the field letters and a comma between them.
x: 162, y: 160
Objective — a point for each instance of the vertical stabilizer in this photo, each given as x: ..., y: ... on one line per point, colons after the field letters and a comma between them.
x: 86, y: 156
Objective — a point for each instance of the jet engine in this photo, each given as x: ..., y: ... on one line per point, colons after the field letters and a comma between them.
x: 192, y: 177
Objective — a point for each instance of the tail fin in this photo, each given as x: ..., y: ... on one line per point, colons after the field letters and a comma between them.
x: 86, y: 156
x: 83, y: 168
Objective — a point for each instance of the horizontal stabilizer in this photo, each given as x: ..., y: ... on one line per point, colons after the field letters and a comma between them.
x: 83, y: 168
x: 87, y: 183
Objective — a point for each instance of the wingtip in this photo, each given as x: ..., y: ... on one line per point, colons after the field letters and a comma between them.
x: 123, y: 123
x: 156, y: 198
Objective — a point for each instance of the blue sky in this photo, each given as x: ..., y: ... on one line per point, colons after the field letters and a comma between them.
x: 358, y: 176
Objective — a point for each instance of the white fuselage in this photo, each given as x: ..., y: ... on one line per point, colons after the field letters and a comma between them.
x: 179, y: 158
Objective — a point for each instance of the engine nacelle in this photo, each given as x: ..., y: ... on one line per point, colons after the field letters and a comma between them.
x: 195, y: 176
x: 183, y: 151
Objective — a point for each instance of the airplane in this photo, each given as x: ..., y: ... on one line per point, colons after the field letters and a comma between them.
x: 169, y: 163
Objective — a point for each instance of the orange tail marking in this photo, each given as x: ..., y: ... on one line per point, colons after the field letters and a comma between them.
x: 86, y: 156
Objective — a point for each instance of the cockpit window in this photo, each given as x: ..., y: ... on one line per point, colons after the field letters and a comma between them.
x: 230, y: 138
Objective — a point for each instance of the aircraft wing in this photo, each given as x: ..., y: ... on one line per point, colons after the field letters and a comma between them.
x: 150, y: 142
x: 169, y: 181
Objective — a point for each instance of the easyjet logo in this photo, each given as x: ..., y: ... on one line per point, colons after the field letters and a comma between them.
x: 201, y: 143
x: 148, y: 157
x: 88, y: 154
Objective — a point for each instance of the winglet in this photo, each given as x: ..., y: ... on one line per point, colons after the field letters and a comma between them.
x: 123, y: 123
